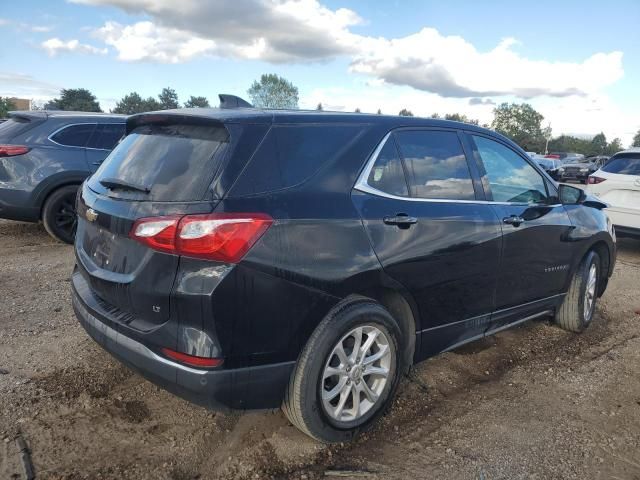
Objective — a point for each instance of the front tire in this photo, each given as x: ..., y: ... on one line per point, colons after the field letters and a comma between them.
x: 59, y: 214
x: 577, y: 310
x: 347, y: 374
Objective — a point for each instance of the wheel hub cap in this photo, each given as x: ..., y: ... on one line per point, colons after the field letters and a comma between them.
x: 356, y: 373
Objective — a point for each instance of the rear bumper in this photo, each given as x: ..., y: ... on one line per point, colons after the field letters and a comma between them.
x: 13, y: 208
x: 260, y: 387
x: 573, y: 176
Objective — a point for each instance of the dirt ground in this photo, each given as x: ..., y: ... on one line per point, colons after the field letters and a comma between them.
x: 534, y: 402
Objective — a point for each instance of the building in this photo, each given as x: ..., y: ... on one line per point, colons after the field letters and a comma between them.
x: 21, y: 103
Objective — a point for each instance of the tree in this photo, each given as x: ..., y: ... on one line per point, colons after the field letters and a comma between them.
x: 273, y: 91
x: 168, y: 99
x: 405, y: 113
x: 78, y: 99
x: 457, y: 117
x: 197, y: 102
x: 636, y: 140
x: 5, y: 106
x: 134, y: 103
x: 357, y: 110
x: 614, y: 147
x: 521, y: 123
x: 379, y: 112
x: 319, y: 107
x: 435, y: 115
x: 598, y: 144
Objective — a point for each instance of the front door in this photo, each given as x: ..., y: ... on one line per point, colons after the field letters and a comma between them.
x: 419, y: 206
x: 536, y: 253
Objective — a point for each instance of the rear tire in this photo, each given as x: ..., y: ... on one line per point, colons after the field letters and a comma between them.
x: 577, y: 309
x: 331, y: 371
x: 59, y: 214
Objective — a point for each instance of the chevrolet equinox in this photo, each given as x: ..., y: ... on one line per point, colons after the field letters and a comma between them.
x: 249, y: 259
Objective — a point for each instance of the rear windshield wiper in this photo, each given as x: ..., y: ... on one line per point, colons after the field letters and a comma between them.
x: 115, y: 184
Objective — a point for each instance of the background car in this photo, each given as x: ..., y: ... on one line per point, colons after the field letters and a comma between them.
x: 618, y: 184
x: 44, y: 157
x: 550, y: 165
x: 580, y: 169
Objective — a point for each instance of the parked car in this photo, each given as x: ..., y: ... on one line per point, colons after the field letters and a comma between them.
x: 549, y: 165
x: 618, y: 184
x: 581, y: 169
x: 44, y: 157
x: 248, y: 259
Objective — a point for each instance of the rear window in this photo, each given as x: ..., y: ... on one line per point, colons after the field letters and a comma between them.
x: 291, y: 154
x: 625, y: 164
x: 16, y: 126
x: 174, y: 162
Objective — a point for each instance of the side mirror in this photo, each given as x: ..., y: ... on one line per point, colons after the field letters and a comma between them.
x: 569, y: 195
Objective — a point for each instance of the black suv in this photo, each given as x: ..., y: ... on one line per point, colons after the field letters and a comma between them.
x: 251, y: 259
x: 44, y: 157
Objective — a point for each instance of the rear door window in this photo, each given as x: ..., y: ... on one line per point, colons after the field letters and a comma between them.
x: 106, y: 135
x: 436, y: 165
x: 387, y: 174
x: 624, y: 164
x: 172, y: 162
x: 74, y: 135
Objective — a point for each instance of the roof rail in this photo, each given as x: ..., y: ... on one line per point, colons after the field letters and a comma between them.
x: 231, y: 101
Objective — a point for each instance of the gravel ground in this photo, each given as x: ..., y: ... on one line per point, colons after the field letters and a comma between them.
x: 534, y: 402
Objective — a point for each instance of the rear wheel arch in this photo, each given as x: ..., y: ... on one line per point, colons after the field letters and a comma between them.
x: 53, y: 189
x: 400, y: 309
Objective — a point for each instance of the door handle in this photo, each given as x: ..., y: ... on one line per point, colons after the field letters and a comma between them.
x: 400, y: 220
x: 514, y: 220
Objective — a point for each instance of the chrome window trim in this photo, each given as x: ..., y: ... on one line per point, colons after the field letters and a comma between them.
x: 82, y: 123
x: 362, y: 186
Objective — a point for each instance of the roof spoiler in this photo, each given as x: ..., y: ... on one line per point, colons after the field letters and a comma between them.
x: 28, y: 114
x: 231, y: 101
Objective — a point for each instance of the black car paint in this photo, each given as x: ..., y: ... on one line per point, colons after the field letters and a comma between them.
x: 459, y: 273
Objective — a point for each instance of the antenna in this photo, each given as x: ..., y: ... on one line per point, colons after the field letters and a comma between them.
x: 231, y: 101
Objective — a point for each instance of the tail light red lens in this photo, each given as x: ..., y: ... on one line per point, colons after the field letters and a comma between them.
x: 595, y: 180
x: 226, y: 237
x: 192, y: 360
x: 13, y: 150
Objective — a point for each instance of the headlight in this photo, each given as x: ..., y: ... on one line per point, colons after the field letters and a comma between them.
x: 584, y: 169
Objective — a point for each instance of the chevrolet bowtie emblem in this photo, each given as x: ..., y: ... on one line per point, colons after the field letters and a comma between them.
x: 92, y: 215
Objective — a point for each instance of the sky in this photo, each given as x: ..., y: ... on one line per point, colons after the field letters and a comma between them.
x: 576, y: 62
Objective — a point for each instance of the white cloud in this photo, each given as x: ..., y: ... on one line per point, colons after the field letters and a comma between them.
x: 54, y: 46
x: 270, y: 30
x: 453, y: 67
x: 25, y: 86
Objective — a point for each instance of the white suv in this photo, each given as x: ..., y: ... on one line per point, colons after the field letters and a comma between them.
x: 618, y: 184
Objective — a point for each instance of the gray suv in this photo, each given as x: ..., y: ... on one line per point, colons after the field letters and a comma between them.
x: 44, y: 157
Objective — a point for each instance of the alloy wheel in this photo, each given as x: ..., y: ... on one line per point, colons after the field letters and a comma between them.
x: 356, y: 373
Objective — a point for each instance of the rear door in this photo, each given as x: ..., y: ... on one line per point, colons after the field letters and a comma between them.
x: 103, y: 139
x: 73, y: 140
x: 431, y: 231
x: 536, y: 253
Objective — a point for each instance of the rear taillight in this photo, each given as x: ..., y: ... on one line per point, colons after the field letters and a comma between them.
x: 226, y: 237
x: 13, y: 150
x: 595, y: 180
x: 192, y: 360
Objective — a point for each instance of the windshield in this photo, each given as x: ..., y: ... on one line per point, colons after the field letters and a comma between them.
x: 162, y: 163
